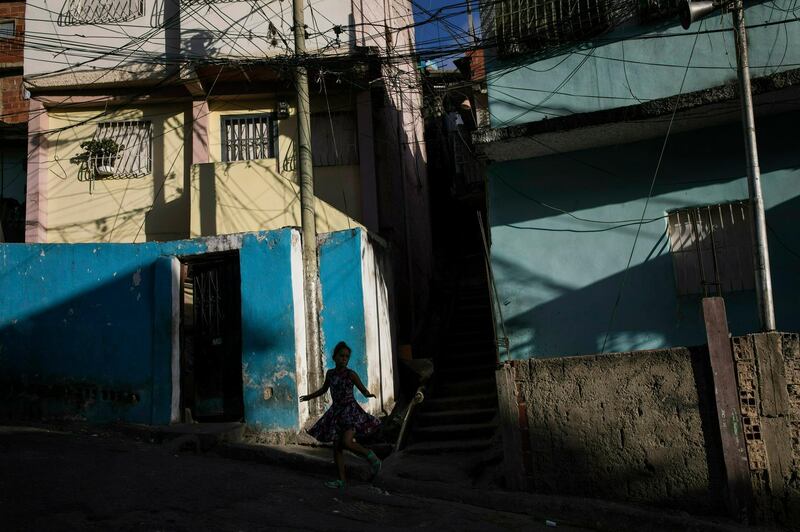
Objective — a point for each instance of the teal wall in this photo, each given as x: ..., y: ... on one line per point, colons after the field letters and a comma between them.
x: 342, y: 317
x: 268, y: 331
x: 558, y: 277
x: 86, y: 329
x: 593, y: 76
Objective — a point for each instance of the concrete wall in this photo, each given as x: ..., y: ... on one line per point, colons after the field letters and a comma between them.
x: 250, y: 196
x: 152, y: 207
x: 356, y: 309
x: 631, y: 426
x: 768, y: 377
x: 635, y: 64
x: 136, y: 49
x: 88, y: 330
x: 562, y: 228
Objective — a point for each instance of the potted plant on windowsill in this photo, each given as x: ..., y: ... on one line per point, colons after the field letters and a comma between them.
x: 99, y: 156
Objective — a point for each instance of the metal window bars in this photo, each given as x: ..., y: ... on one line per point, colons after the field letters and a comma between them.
x: 78, y: 12
x: 134, y: 157
x: 249, y: 137
x: 519, y: 24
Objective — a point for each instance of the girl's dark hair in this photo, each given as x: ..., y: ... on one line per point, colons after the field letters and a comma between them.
x: 339, y: 347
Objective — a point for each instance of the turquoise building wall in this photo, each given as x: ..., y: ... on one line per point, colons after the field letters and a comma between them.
x: 87, y: 328
x: 635, y: 64
x: 342, y: 316
x: 558, y: 277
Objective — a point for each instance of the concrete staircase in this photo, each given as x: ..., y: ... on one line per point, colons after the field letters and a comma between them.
x: 459, y: 412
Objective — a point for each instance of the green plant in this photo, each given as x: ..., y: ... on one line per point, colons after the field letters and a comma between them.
x: 99, y: 152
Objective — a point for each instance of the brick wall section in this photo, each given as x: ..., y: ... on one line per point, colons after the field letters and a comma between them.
x: 768, y: 377
x: 14, y: 108
x: 628, y: 426
x: 11, y: 49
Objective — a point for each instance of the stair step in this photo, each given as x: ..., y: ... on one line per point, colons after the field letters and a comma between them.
x: 464, y: 432
x: 456, y: 417
x: 460, y: 402
x: 460, y: 371
x: 440, y: 447
x: 450, y: 388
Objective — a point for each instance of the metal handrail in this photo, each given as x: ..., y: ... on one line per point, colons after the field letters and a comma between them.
x: 418, y: 398
x: 494, y: 300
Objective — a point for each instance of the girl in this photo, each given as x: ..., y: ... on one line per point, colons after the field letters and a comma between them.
x: 344, y: 419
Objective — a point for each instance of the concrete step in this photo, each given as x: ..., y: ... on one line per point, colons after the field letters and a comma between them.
x: 456, y: 417
x: 467, y: 372
x: 453, y: 388
x: 465, y: 432
x: 462, y: 402
x: 440, y: 447
x: 463, y: 358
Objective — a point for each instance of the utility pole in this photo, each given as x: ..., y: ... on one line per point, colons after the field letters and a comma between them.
x: 307, y: 215
x: 761, y: 252
x: 689, y: 12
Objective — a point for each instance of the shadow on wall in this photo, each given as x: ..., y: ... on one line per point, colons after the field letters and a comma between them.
x: 86, y: 329
x: 649, y: 313
x: 79, y: 350
x: 645, y: 432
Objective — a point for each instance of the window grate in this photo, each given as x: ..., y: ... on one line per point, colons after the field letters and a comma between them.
x: 134, y: 158
x: 7, y: 29
x: 519, y: 25
x: 712, y: 249
x: 334, y: 139
x: 249, y: 137
x: 78, y: 12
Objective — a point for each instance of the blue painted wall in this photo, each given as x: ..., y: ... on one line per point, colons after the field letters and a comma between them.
x: 342, y: 316
x: 635, y: 64
x: 88, y: 325
x: 558, y: 277
x: 268, y: 342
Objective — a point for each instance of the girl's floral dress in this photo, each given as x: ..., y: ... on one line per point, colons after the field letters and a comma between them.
x: 345, y: 413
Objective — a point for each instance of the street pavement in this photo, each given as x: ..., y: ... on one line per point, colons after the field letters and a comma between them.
x: 53, y: 481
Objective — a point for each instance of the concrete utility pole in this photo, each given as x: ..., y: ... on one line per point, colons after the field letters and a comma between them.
x: 761, y: 251
x: 689, y: 12
x: 305, y: 167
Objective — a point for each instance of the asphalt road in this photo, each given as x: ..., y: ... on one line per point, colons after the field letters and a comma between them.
x: 53, y: 481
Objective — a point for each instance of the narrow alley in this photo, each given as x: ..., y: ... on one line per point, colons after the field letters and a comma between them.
x: 58, y: 481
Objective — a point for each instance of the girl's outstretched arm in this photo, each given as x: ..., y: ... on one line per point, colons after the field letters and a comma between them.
x: 357, y: 381
x: 321, y: 391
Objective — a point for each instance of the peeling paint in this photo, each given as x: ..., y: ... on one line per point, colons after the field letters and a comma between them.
x: 137, y: 277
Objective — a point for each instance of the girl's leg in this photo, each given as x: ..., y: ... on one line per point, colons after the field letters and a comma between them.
x: 374, y: 461
x: 350, y: 443
x: 338, y: 456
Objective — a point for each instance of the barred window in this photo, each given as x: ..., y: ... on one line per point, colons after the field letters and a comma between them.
x: 249, y: 137
x: 334, y: 139
x: 134, y: 157
x: 520, y: 25
x: 7, y: 29
x: 77, y: 12
x: 712, y: 249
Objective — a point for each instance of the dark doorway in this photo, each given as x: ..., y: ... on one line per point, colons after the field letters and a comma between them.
x: 211, y: 338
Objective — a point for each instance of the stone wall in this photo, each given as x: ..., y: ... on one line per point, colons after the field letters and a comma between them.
x: 631, y: 426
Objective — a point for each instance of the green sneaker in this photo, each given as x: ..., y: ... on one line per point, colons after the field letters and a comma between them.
x: 334, y: 484
x: 375, y: 464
